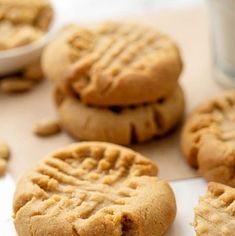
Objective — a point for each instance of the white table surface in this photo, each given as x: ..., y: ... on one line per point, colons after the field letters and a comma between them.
x: 187, y: 192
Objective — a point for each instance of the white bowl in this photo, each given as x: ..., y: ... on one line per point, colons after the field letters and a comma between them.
x: 17, y: 58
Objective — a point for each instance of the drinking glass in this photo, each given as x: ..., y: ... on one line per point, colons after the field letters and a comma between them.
x: 222, y: 14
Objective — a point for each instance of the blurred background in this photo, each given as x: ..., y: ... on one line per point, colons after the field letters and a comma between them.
x: 93, y: 10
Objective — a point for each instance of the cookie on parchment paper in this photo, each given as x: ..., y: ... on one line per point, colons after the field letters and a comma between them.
x: 92, y: 189
x: 214, y: 215
x: 208, y: 139
x: 116, y: 64
x: 120, y: 125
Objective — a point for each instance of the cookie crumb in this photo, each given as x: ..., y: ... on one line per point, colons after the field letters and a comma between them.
x: 47, y: 127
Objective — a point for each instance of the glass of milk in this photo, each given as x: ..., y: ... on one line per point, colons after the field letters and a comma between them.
x: 223, y: 40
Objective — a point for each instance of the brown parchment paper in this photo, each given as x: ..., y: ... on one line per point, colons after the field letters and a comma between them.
x: 18, y: 113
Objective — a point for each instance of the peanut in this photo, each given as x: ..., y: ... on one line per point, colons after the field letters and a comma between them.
x: 47, y: 128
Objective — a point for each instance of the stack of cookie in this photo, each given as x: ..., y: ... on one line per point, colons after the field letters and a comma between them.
x: 115, y: 83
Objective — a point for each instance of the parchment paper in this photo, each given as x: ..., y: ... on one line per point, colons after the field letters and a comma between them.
x: 19, y: 113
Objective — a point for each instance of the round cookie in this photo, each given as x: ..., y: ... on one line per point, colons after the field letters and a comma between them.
x: 214, y: 215
x: 114, y: 63
x: 92, y: 189
x: 208, y: 139
x: 120, y: 125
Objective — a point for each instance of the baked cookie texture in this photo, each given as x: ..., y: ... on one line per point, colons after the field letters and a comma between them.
x: 23, y: 21
x: 120, y: 125
x: 96, y: 64
x: 208, y: 139
x: 92, y: 189
x: 215, y: 214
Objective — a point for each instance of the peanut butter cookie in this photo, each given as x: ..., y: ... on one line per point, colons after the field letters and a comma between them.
x: 120, y: 125
x: 116, y: 64
x: 208, y: 139
x: 214, y: 216
x: 92, y: 189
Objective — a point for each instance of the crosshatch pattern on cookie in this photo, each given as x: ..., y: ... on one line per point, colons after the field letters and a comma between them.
x: 117, y: 49
x: 93, y: 188
x: 113, y: 64
x: 85, y: 180
x: 212, y: 125
x: 219, y: 118
x: 215, y: 214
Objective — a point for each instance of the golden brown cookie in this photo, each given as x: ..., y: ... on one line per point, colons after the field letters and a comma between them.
x: 215, y: 214
x: 116, y: 64
x: 120, y: 125
x: 23, y: 21
x: 208, y: 139
x: 92, y: 189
